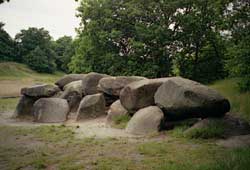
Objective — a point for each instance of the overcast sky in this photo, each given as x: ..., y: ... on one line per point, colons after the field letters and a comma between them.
x: 56, y: 16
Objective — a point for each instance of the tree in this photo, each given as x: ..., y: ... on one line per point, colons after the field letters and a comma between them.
x: 41, y: 60
x: 200, y: 49
x: 64, y: 50
x: 7, y: 46
x: 124, y: 37
x: 30, y: 43
x: 238, y: 53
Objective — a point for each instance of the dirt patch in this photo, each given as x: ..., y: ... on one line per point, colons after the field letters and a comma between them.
x: 95, y: 128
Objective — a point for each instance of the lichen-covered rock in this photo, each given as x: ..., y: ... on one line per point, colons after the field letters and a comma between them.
x: 113, y: 85
x: 91, y: 106
x: 140, y: 94
x: 40, y: 91
x: 51, y: 110
x: 68, y: 79
x: 182, y: 98
x: 90, y: 83
x: 146, y: 121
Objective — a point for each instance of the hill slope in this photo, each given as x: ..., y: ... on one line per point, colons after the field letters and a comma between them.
x: 14, y: 76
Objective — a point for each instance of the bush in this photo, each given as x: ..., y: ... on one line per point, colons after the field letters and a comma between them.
x: 244, y: 85
x: 41, y: 60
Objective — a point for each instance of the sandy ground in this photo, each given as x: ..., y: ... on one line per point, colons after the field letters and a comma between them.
x: 96, y: 128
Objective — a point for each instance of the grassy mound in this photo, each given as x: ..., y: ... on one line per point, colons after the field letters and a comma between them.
x: 17, y: 71
x: 11, y: 69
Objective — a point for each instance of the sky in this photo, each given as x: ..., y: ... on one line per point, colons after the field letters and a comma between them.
x: 56, y: 16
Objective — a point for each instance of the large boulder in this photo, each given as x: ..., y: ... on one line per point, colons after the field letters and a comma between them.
x: 140, y: 94
x: 91, y: 106
x: 40, y: 91
x: 51, y: 110
x: 68, y: 79
x: 146, y: 121
x: 73, y: 94
x: 182, y: 98
x: 113, y: 85
x: 116, y: 109
x: 90, y: 83
x: 25, y: 106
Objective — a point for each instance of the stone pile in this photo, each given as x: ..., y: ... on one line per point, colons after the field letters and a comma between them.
x: 150, y: 103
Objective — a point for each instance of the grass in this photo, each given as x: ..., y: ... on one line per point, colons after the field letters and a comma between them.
x: 8, y: 104
x: 14, y: 76
x: 240, y: 102
x: 48, y: 147
x: 120, y: 121
x: 237, y: 159
x: 214, y: 129
x: 17, y: 71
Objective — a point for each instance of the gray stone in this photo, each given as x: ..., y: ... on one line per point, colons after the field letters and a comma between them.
x: 113, y: 85
x: 51, y: 110
x: 44, y: 90
x: 140, y: 94
x: 68, y: 79
x: 24, y: 107
x: 146, y: 121
x: 182, y: 98
x: 91, y: 106
x: 90, y: 83
x: 73, y: 94
x: 116, y: 109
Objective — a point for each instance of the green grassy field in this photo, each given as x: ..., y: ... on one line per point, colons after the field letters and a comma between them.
x: 59, y: 147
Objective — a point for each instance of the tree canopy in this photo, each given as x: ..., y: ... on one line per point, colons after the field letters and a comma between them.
x: 197, y: 39
x: 35, y: 47
x: 7, y: 46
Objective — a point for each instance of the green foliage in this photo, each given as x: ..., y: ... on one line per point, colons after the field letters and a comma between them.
x: 41, y: 60
x: 7, y: 46
x: 238, y: 53
x: 36, y: 49
x: 201, y: 50
x: 124, y: 38
x: 64, y: 49
x: 147, y: 37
